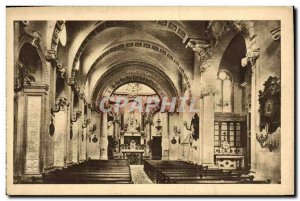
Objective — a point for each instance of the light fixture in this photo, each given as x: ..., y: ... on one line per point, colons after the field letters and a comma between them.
x: 222, y: 75
x: 158, y: 126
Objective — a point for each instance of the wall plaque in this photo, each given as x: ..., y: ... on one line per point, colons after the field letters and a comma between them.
x: 33, y: 135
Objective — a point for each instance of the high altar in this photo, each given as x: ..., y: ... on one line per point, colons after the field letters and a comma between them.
x: 132, y: 140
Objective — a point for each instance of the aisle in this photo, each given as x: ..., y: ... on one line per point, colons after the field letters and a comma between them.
x: 138, y: 175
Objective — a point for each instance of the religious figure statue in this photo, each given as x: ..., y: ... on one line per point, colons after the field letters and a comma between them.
x: 225, y: 147
x: 132, y: 145
x: 194, y: 127
x: 132, y: 124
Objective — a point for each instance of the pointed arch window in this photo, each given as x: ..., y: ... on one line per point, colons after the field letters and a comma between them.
x: 223, y: 99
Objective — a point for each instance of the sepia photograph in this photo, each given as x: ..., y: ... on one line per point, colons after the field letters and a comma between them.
x: 150, y: 101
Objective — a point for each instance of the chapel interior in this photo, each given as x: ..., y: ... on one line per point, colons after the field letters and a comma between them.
x: 63, y: 69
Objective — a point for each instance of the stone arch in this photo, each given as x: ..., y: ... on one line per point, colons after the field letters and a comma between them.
x: 218, y: 53
x: 134, y: 71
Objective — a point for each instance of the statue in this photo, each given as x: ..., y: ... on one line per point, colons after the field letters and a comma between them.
x: 132, y: 124
x: 194, y: 127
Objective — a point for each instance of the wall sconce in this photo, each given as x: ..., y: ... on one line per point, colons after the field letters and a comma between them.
x: 77, y: 115
x: 93, y: 128
x: 176, y: 130
x: 86, y: 123
x: 158, y: 126
x: 51, y: 126
x: 62, y: 102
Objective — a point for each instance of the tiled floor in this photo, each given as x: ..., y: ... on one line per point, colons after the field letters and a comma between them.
x: 138, y: 175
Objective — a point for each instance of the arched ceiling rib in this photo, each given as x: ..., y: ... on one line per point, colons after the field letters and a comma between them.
x: 94, y: 43
x: 97, y: 28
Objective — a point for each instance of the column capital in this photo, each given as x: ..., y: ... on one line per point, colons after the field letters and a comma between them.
x: 60, y: 104
x: 50, y: 55
x: 71, y: 81
x: 251, y: 57
x: 206, y: 91
x: 204, y: 50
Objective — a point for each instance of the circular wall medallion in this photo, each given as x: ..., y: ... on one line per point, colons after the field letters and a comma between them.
x: 95, y: 139
x: 173, y: 141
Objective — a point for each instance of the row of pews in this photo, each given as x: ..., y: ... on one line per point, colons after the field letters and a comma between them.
x: 187, y: 173
x: 92, y: 172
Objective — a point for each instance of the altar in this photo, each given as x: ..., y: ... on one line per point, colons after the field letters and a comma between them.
x: 131, y: 148
x: 132, y: 140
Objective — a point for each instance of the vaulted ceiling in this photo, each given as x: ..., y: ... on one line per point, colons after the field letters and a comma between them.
x: 93, y: 46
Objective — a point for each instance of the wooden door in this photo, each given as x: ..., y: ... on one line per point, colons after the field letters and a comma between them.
x: 156, y: 148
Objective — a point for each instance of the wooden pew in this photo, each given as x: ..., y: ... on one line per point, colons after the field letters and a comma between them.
x: 183, y: 172
x: 108, y: 172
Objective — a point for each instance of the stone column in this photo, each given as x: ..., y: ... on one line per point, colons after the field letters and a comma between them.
x: 117, y: 132
x: 203, y: 54
x: 94, y: 146
x: 251, y: 59
x: 254, y: 118
x: 75, y: 150
x: 148, y: 138
x: 103, y: 137
x: 165, y: 136
x: 207, y: 135
x: 60, y: 139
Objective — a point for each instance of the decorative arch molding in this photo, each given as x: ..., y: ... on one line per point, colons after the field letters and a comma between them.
x: 34, y: 41
x: 51, y: 55
x: 147, y: 45
x: 179, y: 31
x: 59, y: 25
x: 133, y: 71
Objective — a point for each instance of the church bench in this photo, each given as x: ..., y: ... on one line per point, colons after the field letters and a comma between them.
x: 91, y: 172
